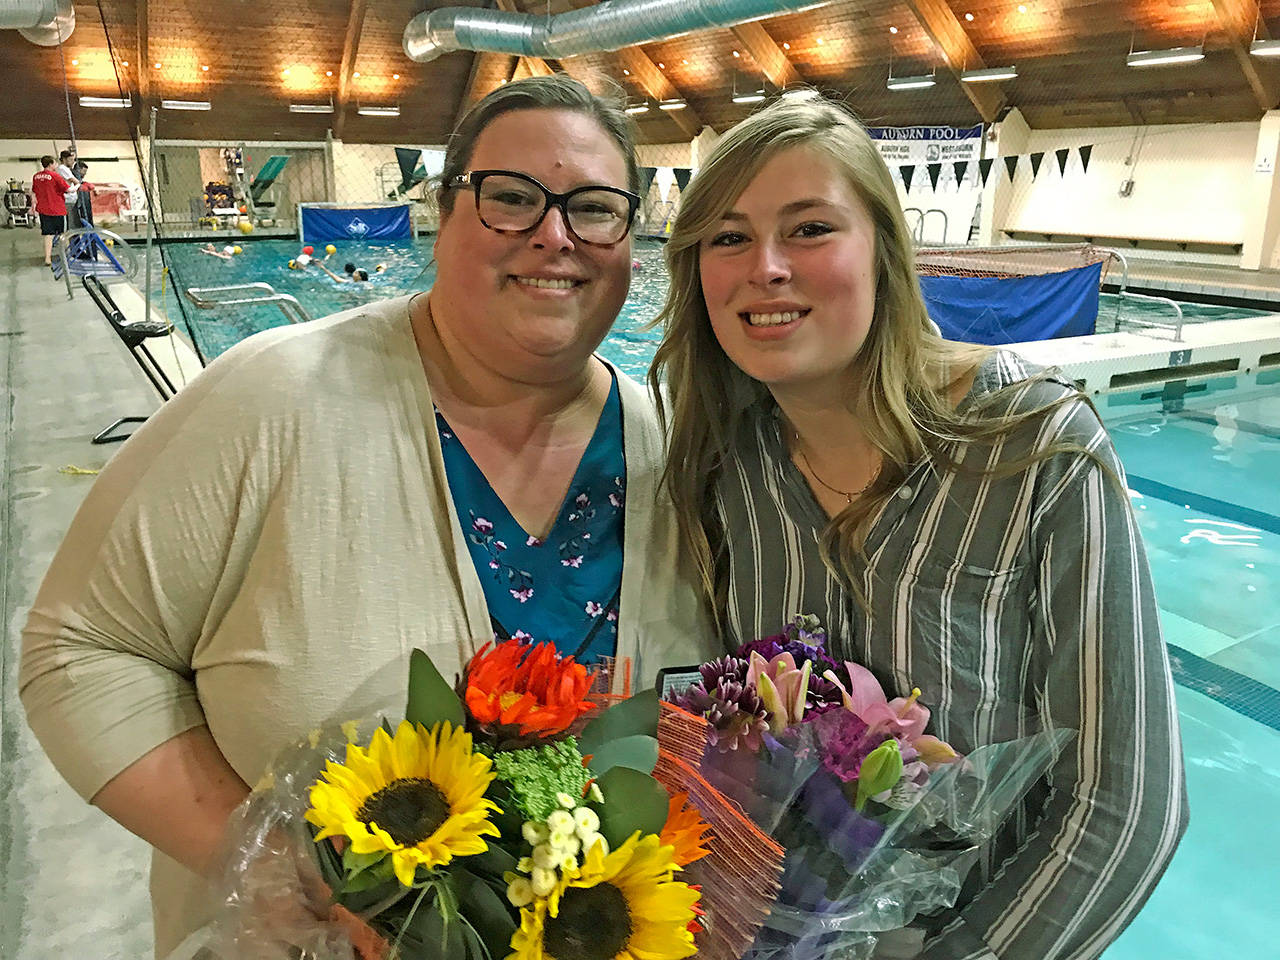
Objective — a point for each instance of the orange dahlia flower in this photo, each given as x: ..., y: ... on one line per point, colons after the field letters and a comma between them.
x: 527, y: 687
x: 685, y: 830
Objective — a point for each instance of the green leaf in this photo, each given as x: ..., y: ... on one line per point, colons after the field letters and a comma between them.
x: 379, y: 875
x: 637, y: 716
x: 632, y: 801
x: 879, y: 772
x: 431, y: 699
x: 639, y: 753
x: 488, y: 914
x: 437, y: 937
x: 495, y: 861
x: 354, y: 862
x: 330, y: 863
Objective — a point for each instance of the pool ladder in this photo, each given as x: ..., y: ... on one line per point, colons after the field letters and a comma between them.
x: 240, y: 294
x: 1122, y: 294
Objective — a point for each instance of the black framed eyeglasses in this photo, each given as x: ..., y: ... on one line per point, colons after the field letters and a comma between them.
x: 510, y: 202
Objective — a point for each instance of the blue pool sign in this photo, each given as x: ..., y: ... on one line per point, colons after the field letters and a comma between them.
x: 323, y: 224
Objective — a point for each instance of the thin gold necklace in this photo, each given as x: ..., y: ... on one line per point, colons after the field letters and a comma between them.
x: 813, y: 473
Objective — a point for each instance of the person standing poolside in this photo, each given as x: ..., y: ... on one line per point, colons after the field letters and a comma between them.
x: 958, y: 521
x: 50, y: 190
x: 426, y: 472
x: 65, y: 160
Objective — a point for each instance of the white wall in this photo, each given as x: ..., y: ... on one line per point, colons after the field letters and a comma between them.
x: 1190, y: 183
x: 123, y: 170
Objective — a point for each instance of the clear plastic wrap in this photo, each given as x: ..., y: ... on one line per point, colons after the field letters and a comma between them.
x: 852, y: 876
x: 272, y: 900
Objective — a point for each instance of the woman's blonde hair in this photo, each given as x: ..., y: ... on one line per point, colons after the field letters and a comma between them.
x: 899, y: 384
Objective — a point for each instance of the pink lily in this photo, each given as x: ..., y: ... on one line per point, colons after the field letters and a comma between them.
x: 782, y: 688
x: 902, y: 718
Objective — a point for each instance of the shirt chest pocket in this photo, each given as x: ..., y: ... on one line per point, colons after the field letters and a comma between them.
x: 963, y: 600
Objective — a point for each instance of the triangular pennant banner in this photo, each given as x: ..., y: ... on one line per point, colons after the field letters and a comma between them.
x: 1085, y: 151
x: 1011, y: 164
x: 1062, y: 159
x: 683, y: 176
x: 935, y: 171
x: 961, y: 167
x: 984, y: 168
x: 907, y: 172
x: 1036, y: 160
x: 646, y: 179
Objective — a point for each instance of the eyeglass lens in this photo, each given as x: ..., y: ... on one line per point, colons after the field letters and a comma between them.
x: 509, y: 203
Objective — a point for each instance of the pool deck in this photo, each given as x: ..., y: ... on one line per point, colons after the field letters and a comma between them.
x: 66, y: 375
x: 1259, y: 289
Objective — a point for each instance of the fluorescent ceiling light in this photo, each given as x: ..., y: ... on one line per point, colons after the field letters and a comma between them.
x: 1265, y: 48
x: 638, y: 108
x: 911, y: 83
x: 112, y: 102
x: 1155, y: 58
x: 989, y: 74
x: 672, y: 105
x: 755, y: 97
x: 186, y: 104
x: 311, y: 108
x: 800, y: 93
x: 378, y: 111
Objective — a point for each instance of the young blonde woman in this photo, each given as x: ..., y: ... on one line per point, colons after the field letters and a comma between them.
x: 958, y: 522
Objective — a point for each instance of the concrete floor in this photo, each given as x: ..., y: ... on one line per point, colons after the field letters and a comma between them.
x: 72, y: 883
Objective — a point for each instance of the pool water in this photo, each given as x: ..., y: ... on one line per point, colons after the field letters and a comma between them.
x: 1206, y: 497
x: 1203, y: 476
x: 410, y: 269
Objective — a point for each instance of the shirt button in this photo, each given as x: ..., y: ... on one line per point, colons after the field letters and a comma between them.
x: 905, y: 493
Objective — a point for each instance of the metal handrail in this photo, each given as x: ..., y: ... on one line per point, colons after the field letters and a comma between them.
x: 917, y: 232
x: 205, y: 298
x: 1176, y: 327
x: 1122, y: 294
x: 945, y: 223
x: 119, y: 247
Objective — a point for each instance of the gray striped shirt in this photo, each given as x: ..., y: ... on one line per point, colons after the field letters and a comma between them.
x: 1014, y: 604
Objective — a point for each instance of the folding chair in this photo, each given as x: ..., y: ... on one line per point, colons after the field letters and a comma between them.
x: 134, y: 336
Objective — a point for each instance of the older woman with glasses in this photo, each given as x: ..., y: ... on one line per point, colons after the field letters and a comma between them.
x: 431, y: 472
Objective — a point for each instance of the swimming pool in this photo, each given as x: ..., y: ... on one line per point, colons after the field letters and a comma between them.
x: 409, y: 269
x: 1204, y: 489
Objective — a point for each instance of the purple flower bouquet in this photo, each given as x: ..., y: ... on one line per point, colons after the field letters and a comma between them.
x: 880, y: 821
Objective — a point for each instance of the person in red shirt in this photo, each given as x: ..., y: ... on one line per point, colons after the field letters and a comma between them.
x: 50, y: 190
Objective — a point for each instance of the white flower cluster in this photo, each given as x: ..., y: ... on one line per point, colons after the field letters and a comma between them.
x: 557, y: 843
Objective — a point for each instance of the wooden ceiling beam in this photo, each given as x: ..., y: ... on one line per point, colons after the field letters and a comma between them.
x: 144, y: 53
x: 655, y: 83
x: 488, y: 71
x: 947, y: 34
x: 1238, y: 18
x: 350, y: 50
x: 777, y: 67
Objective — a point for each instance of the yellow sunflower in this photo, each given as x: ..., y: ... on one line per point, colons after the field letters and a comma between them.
x: 623, y: 906
x: 419, y: 797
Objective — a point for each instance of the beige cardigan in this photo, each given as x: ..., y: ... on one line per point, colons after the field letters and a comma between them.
x: 262, y: 556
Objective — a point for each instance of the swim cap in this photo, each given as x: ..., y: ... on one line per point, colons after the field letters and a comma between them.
x: 304, y: 258
x: 308, y: 250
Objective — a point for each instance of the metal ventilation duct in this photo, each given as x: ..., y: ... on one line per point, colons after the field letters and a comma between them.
x: 44, y: 22
x: 605, y: 26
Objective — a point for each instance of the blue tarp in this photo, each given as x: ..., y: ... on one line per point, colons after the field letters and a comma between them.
x: 997, y: 310
x: 322, y: 224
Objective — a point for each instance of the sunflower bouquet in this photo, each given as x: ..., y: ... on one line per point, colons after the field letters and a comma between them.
x: 880, y: 821
x: 513, y: 815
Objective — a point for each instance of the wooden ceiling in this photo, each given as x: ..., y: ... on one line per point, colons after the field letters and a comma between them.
x: 1070, y: 56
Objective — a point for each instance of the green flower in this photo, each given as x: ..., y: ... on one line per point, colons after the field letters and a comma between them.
x: 537, y: 775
